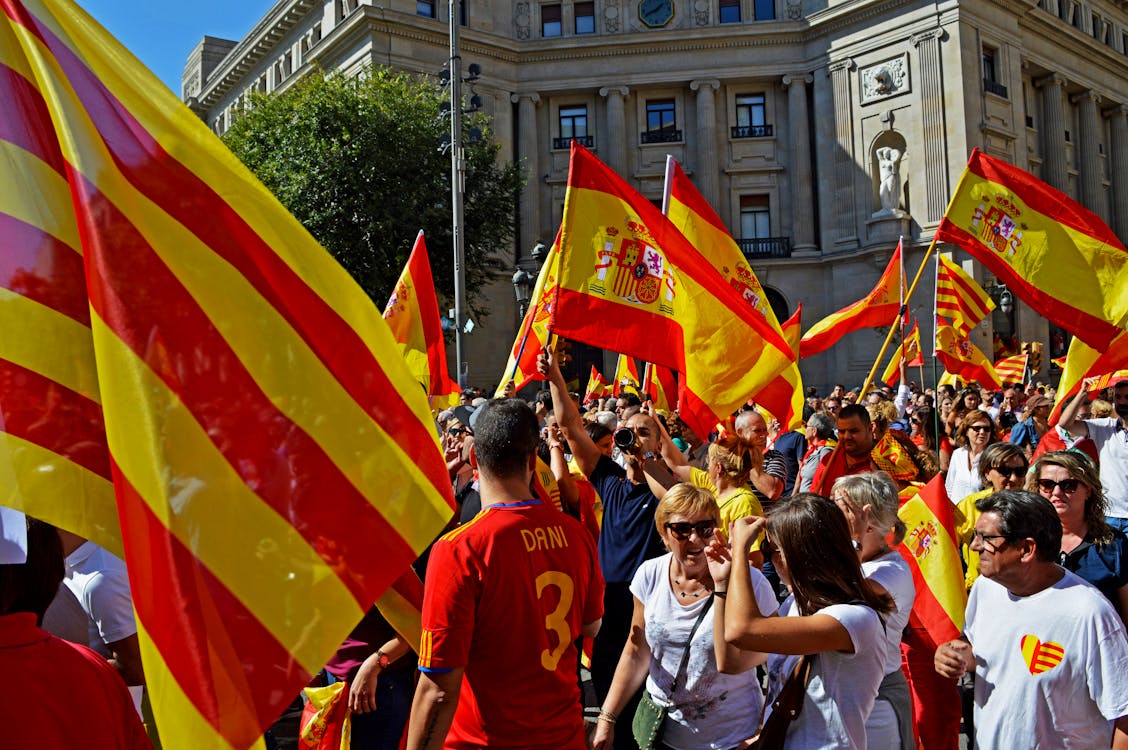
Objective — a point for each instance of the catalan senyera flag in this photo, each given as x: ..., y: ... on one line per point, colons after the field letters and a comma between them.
x: 959, y: 299
x: 626, y: 376
x: 1082, y: 361
x: 189, y: 380
x: 412, y: 313
x: 631, y: 282
x: 878, y: 308
x: 961, y: 357
x: 597, y: 387
x: 699, y: 223
x: 534, y: 333
x: 931, y: 551
x: 1012, y: 370
x: 1056, y: 255
x: 909, y: 352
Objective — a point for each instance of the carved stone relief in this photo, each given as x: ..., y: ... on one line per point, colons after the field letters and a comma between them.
x: 885, y: 79
x: 522, y: 20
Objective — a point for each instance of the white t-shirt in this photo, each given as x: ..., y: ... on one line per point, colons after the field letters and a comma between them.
x: 1051, y: 668
x: 842, y: 687
x: 707, y: 709
x: 962, y: 479
x: 98, y: 580
x: 893, y: 573
x: 1112, y: 448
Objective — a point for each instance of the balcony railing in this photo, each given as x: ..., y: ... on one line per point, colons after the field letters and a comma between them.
x: 752, y: 131
x: 584, y: 140
x: 661, y: 136
x: 765, y: 247
x: 994, y: 87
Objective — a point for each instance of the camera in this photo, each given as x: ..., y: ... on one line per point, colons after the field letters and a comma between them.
x: 625, y: 440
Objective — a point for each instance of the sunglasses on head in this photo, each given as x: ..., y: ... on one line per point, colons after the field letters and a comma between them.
x: 682, y: 529
x: 1011, y: 471
x: 1067, y: 485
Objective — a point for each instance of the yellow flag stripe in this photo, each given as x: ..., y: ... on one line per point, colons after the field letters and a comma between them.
x: 166, y: 473
x: 941, y: 567
x: 36, y: 194
x: 402, y: 615
x: 53, y: 345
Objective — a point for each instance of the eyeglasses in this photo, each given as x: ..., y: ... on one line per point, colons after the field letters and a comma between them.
x: 456, y: 431
x: 1067, y: 485
x: 979, y: 427
x: 682, y: 529
x: 1010, y: 471
x: 984, y: 539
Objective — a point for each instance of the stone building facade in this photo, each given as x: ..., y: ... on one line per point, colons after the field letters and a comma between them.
x: 820, y: 130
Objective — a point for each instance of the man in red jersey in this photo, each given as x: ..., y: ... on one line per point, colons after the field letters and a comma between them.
x: 507, y: 595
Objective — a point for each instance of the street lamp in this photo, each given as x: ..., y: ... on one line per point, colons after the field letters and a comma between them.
x: 523, y: 289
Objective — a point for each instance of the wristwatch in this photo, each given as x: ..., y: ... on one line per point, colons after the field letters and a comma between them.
x: 382, y: 659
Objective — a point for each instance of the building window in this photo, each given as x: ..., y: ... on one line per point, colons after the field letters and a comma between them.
x: 755, y: 217
x: 585, y: 18
x: 764, y: 10
x: 751, y: 118
x: 991, y: 83
x: 729, y: 11
x: 463, y: 17
x: 425, y: 8
x: 573, y: 126
x: 661, y: 122
x: 551, y: 20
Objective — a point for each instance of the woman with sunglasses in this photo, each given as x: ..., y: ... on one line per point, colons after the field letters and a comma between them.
x: 1001, y: 467
x: 923, y: 427
x: 975, y: 432
x: 1089, y: 546
x: 707, y: 707
x: 833, y: 614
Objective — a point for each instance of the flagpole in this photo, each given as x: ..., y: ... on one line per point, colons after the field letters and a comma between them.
x: 935, y: 377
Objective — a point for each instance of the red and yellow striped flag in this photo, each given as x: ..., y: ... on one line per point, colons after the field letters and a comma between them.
x: 909, y: 352
x: 792, y: 329
x: 932, y: 553
x: 631, y: 282
x: 413, y: 315
x: 878, y: 308
x: 1082, y: 361
x: 961, y: 357
x: 959, y: 299
x: 626, y: 376
x: 1012, y: 370
x: 657, y: 381
x: 692, y: 214
x: 535, y: 330
x: 597, y: 387
x: 244, y: 380
x: 1056, y: 255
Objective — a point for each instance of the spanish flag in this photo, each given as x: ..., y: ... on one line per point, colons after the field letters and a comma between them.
x: 626, y: 376
x: 961, y: 357
x: 909, y: 353
x: 692, y: 214
x: 959, y: 299
x: 657, y: 381
x: 597, y: 387
x: 932, y: 553
x: 535, y: 332
x: 1056, y: 255
x: 878, y: 308
x: 792, y: 333
x: 189, y: 380
x: 630, y: 282
x: 1082, y: 361
x: 413, y: 315
x: 1012, y: 370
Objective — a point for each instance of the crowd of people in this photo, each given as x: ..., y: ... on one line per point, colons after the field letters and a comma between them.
x: 745, y: 588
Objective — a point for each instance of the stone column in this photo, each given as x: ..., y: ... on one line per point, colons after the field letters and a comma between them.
x: 1092, y: 187
x: 708, y: 171
x: 1118, y: 166
x: 802, y: 184
x: 528, y: 150
x: 613, y: 151
x: 933, y: 150
x: 1052, y: 136
x: 845, y: 167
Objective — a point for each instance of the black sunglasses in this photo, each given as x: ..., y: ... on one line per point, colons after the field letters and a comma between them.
x: 459, y: 431
x: 682, y: 529
x: 1011, y: 471
x: 1067, y: 485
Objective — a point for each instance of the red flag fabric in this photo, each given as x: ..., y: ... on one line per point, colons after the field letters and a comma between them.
x: 535, y: 331
x: 959, y: 298
x: 626, y: 376
x: 961, y: 357
x: 1056, y: 255
x: 1082, y: 361
x: 1012, y: 370
x: 878, y: 308
x: 597, y: 387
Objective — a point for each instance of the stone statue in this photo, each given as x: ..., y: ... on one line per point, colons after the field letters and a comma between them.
x: 889, y: 174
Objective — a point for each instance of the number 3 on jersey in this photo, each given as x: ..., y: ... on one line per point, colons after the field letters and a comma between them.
x: 556, y: 621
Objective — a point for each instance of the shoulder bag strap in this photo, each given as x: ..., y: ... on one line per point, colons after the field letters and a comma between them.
x: 688, y: 643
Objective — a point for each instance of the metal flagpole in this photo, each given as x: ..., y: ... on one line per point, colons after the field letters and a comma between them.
x: 457, y: 185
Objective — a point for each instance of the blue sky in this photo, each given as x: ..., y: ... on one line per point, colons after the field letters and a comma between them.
x: 161, y: 33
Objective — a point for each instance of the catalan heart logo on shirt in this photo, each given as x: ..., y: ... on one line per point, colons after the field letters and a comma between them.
x: 1041, y: 656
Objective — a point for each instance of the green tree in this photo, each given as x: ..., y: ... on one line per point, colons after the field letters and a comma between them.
x: 358, y: 161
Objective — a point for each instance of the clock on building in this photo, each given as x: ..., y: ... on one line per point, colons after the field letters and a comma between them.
x: 655, y: 13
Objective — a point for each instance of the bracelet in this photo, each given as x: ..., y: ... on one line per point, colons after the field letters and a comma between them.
x: 721, y: 594
x: 605, y: 715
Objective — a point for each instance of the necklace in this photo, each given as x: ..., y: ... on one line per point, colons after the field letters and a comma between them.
x: 685, y: 594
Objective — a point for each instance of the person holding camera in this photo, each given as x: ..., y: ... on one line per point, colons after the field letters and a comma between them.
x: 628, y: 536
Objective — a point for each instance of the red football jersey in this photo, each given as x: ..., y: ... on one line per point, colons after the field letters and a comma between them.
x: 505, y: 598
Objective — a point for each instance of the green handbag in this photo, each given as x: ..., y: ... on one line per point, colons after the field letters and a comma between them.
x: 649, y: 717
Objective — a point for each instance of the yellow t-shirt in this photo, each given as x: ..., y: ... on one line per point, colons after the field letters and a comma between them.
x: 965, y: 517
x: 740, y: 504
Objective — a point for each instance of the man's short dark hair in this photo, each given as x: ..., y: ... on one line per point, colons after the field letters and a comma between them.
x: 31, y: 586
x: 596, y: 431
x: 505, y: 435
x: 543, y: 397
x: 1024, y: 515
x: 631, y: 399
x: 855, y: 411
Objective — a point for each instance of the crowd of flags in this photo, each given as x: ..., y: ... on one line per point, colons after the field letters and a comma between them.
x: 189, y: 380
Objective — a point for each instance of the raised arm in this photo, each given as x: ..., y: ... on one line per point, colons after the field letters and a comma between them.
x: 1069, y: 421
x: 583, y: 449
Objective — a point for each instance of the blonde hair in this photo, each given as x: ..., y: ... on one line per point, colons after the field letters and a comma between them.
x: 687, y: 500
x: 735, y: 455
x: 877, y: 490
x: 1101, y: 408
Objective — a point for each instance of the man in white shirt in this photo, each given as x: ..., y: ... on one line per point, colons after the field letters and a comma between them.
x: 1111, y: 437
x: 1049, y: 652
